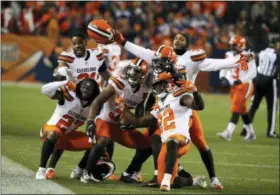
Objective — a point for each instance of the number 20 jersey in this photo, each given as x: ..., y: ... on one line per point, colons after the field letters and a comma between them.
x: 172, y: 117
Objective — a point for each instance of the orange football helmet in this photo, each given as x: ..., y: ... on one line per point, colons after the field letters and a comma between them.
x: 238, y: 43
x: 136, y: 71
x: 165, y: 59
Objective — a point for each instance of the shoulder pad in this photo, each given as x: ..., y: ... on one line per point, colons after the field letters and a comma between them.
x: 198, y: 55
x: 117, y: 82
x: 67, y: 57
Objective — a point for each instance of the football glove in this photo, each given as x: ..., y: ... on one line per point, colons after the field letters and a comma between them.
x: 91, y: 130
x: 118, y: 37
x: 187, y: 85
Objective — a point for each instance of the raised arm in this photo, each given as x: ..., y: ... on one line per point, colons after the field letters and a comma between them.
x: 52, y: 89
x: 141, y: 52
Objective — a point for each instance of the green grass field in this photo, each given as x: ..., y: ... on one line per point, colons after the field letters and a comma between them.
x: 251, y: 168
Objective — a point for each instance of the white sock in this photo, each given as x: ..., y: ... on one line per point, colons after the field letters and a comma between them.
x: 194, y: 181
x: 213, y: 178
x: 156, y: 172
x: 231, y: 127
x: 249, y: 128
x: 180, y: 168
x: 42, y: 169
x: 78, y: 169
x: 125, y: 174
x: 166, y: 179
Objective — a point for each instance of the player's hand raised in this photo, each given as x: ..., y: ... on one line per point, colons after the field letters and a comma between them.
x: 187, y: 85
x: 120, y: 104
x: 118, y: 37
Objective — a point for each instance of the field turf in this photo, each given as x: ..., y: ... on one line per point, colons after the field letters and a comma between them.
x: 243, y: 168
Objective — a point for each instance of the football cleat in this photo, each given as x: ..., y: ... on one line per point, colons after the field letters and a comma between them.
x: 41, y: 174
x: 215, y: 184
x: 152, y: 182
x: 114, y: 177
x: 86, y: 178
x: 165, y: 188
x: 50, y: 174
x: 224, y: 135
x: 273, y: 135
x: 250, y: 137
x: 201, y: 182
x: 131, y: 178
x: 76, y: 173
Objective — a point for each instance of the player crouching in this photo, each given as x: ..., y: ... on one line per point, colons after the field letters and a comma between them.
x: 172, y: 111
x: 71, y: 112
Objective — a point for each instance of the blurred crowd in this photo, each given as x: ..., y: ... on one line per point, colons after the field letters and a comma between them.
x: 148, y: 23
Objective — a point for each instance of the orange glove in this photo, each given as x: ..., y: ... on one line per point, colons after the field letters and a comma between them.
x: 118, y: 37
x: 188, y: 86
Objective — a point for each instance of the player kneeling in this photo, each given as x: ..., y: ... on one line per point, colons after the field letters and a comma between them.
x: 172, y: 111
x: 71, y: 112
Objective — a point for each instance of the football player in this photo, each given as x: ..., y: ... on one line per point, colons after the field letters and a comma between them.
x: 71, y: 112
x: 172, y: 111
x: 104, y: 115
x: 83, y: 63
x: 240, y: 80
x: 192, y: 61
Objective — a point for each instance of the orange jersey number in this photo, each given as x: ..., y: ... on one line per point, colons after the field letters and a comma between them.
x: 66, y: 121
x: 86, y: 75
x: 167, y: 118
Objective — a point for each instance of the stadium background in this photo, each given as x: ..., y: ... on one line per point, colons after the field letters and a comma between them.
x: 48, y: 26
x: 34, y: 33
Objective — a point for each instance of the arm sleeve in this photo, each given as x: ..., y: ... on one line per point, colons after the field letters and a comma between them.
x: 252, y: 72
x: 145, y: 54
x: 50, y: 88
x: 210, y: 64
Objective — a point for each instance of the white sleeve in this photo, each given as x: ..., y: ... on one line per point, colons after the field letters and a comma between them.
x: 141, y: 52
x: 154, y: 113
x: 210, y: 64
x: 50, y: 88
x: 61, y: 71
x: 223, y: 73
x: 252, y: 72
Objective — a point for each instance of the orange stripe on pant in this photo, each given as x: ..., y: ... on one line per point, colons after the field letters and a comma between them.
x: 131, y: 138
x: 196, y: 132
x: 238, y: 97
x: 182, y: 150
x: 73, y: 141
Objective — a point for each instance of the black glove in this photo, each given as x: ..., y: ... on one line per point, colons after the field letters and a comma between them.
x: 90, y: 129
x: 237, y: 82
x: 127, y: 127
x: 224, y: 82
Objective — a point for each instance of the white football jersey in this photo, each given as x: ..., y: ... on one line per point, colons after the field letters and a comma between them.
x: 71, y: 115
x: 172, y: 117
x: 112, y: 53
x: 246, y: 72
x: 84, y: 67
x: 192, y: 60
x: 124, y: 90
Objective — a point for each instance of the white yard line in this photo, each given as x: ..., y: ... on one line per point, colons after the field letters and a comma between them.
x: 17, y: 179
x: 222, y: 163
x: 247, y: 154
